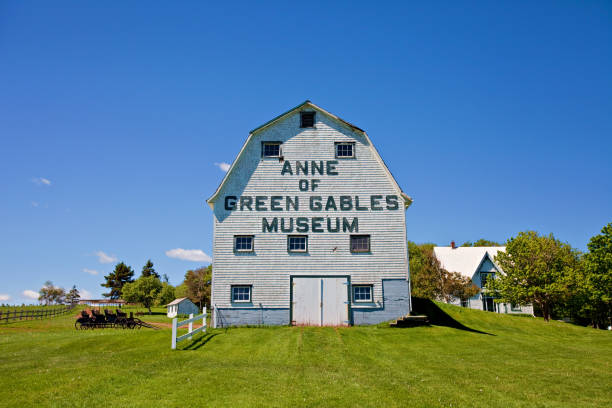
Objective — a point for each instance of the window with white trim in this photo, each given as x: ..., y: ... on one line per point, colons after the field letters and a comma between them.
x: 515, y: 308
x: 243, y: 243
x: 241, y: 294
x: 271, y: 149
x: 345, y: 150
x: 297, y: 243
x: 360, y: 243
x: 362, y: 293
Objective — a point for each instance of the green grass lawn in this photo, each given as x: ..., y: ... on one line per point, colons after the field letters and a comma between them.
x: 517, y: 361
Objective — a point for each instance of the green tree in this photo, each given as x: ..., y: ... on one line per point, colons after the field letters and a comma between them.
x: 117, y: 279
x: 143, y: 290
x: 536, y: 269
x: 198, y: 285
x: 480, y: 243
x: 148, y: 270
x: 424, y: 270
x: 50, y: 294
x: 73, y: 295
x: 595, y: 279
x: 180, y: 291
x: 166, y: 294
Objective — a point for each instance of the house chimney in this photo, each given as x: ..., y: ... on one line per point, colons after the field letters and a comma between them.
x: 453, y: 245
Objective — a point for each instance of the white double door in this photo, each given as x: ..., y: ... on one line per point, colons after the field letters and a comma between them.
x: 320, y: 301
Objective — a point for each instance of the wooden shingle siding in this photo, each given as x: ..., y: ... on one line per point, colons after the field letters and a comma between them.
x: 269, y: 266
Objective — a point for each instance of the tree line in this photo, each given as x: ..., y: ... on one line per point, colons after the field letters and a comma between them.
x: 50, y: 294
x: 150, y: 289
x: 558, y: 280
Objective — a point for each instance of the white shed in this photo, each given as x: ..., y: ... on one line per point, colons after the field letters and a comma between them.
x: 181, y: 306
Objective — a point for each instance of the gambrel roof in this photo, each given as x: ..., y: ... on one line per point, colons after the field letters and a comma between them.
x: 310, y: 105
x: 466, y: 260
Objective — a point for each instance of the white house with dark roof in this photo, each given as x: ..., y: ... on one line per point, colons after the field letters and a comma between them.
x: 478, y: 264
x: 309, y: 228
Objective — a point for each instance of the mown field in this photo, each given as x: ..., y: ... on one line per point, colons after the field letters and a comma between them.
x: 489, y: 361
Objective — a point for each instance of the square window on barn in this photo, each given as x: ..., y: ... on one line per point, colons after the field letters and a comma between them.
x: 241, y: 294
x: 362, y: 293
x: 243, y: 243
x: 297, y: 243
x: 345, y: 150
x: 270, y: 149
x: 307, y: 119
x: 360, y: 243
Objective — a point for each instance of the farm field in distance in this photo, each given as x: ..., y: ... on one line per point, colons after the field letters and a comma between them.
x: 505, y: 361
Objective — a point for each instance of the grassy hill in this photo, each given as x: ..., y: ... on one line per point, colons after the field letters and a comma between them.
x: 490, y: 360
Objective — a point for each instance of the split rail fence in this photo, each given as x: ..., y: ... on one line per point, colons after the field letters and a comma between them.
x: 8, y: 315
x: 176, y: 324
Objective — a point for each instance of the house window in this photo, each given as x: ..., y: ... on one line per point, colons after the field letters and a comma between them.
x: 484, y: 277
x: 465, y: 303
x: 360, y: 243
x: 297, y: 243
x: 362, y: 293
x: 515, y: 308
x: 345, y: 150
x: 243, y: 243
x: 307, y: 119
x: 241, y: 294
x: 270, y: 149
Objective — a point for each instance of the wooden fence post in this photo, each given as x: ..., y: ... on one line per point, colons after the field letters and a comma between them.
x: 204, y: 318
x: 190, y: 325
x: 174, y: 322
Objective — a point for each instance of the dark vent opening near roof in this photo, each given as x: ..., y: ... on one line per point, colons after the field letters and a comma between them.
x: 307, y: 119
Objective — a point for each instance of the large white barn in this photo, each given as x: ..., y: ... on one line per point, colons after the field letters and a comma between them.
x: 478, y: 264
x: 309, y: 228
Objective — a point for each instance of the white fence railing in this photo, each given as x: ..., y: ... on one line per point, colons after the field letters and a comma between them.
x: 176, y: 324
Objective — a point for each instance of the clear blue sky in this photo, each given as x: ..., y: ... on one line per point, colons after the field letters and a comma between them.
x: 495, y: 117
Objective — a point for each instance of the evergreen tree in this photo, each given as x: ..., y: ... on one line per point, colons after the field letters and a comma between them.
x: 117, y: 279
x: 73, y: 295
x: 148, y: 270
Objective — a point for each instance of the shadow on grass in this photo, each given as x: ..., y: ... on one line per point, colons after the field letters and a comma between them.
x: 438, y: 316
x: 199, y: 341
